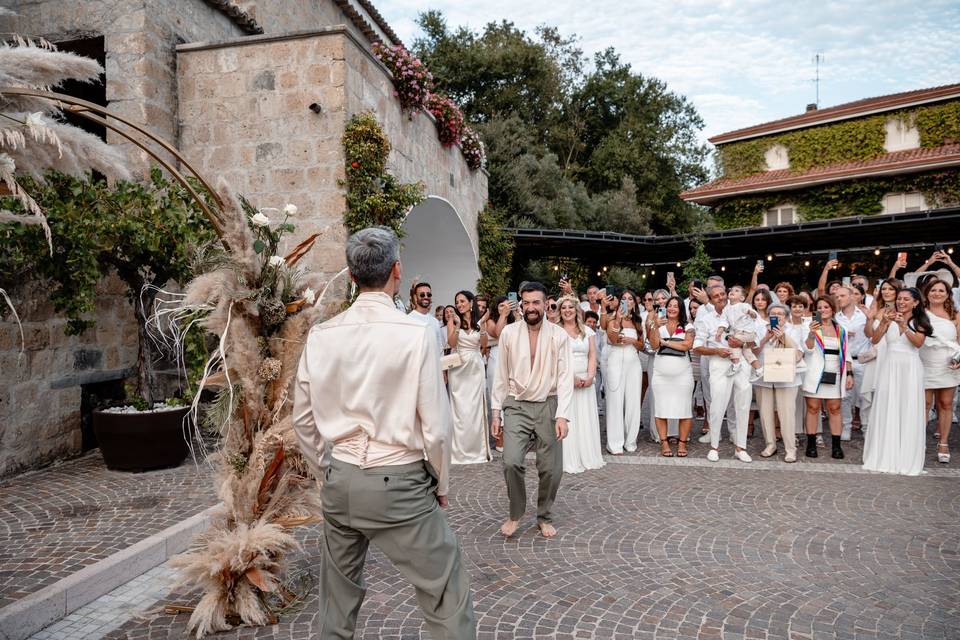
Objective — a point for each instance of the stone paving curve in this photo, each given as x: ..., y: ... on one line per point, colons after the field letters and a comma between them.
x: 679, y: 549
x: 58, y: 520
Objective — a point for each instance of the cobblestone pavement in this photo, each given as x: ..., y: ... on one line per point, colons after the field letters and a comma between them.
x: 655, y: 548
x: 55, y: 521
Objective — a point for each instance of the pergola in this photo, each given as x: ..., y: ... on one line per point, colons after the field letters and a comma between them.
x: 740, y: 248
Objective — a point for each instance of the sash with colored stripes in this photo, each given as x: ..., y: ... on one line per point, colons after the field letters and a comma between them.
x: 842, y: 335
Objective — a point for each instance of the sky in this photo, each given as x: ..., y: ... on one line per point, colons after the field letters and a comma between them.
x: 741, y: 62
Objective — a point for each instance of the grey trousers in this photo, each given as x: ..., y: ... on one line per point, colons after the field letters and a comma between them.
x: 396, y: 509
x: 523, y: 422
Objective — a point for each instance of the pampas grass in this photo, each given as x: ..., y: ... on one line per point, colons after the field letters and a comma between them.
x: 262, y: 479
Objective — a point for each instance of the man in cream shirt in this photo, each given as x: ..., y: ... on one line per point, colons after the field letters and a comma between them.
x: 533, y: 390
x: 369, y: 388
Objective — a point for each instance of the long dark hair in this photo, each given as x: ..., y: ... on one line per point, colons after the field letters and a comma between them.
x: 919, y: 320
x: 495, y: 310
x: 893, y: 282
x: 763, y: 293
x: 682, y: 317
x: 474, y: 310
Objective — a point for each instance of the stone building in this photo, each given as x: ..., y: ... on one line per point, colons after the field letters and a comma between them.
x: 231, y: 84
x: 886, y: 155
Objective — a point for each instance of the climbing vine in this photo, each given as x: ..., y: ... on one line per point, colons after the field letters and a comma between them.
x: 374, y: 196
x: 496, y: 253
x: 853, y: 198
x: 858, y: 139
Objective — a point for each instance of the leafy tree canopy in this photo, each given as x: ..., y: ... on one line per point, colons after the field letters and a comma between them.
x: 602, y: 148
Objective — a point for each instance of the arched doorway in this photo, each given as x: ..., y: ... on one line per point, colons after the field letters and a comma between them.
x: 437, y: 249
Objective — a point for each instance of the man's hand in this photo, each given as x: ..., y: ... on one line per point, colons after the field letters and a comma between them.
x: 561, y: 428
x: 442, y: 501
x: 496, y: 427
x: 723, y: 353
x: 733, y: 342
x: 849, y: 383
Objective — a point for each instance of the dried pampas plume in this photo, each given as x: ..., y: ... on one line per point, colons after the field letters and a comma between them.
x: 262, y: 478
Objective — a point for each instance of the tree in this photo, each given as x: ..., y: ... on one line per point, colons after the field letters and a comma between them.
x: 698, y: 267
x: 147, y: 233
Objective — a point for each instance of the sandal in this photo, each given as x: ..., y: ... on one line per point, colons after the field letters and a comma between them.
x: 682, y: 448
x: 665, y: 449
x: 943, y: 456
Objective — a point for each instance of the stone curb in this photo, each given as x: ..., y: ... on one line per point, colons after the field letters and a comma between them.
x: 29, y: 615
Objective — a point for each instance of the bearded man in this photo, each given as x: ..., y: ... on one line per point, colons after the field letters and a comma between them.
x: 531, y: 401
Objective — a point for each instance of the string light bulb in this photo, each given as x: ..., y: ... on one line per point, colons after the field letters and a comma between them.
x: 556, y: 268
x: 604, y: 268
x: 769, y: 257
x: 723, y: 267
x: 950, y: 250
x: 678, y: 265
x: 653, y: 272
x: 876, y: 252
x: 806, y: 263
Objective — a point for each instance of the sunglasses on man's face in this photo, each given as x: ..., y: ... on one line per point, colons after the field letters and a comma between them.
x: 425, y: 295
x: 648, y: 299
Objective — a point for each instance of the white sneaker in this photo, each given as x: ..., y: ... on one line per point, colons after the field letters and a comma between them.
x: 770, y: 450
x: 704, y: 439
x: 743, y: 456
x: 734, y: 368
x: 713, y: 455
x: 790, y: 457
x: 756, y: 375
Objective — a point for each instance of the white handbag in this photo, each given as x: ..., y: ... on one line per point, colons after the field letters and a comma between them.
x: 779, y: 365
x: 450, y: 361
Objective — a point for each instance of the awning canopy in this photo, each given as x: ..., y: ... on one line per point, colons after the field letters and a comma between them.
x: 861, y: 233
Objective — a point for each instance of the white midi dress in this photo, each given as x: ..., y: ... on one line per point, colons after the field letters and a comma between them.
x: 936, y: 352
x: 673, y: 381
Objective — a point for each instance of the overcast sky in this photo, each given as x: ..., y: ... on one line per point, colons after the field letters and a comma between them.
x: 741, y: 62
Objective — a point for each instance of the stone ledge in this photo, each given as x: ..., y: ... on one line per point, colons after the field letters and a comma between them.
x: 29, y: 615
x: 75, y: 380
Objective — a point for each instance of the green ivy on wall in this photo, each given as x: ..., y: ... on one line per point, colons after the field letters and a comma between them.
x: 841, y: 199
x: 496, y: 253
x: 859, y: 139
x: 374, y: 196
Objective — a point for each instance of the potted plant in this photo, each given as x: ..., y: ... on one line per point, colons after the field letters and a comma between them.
x: 145, y: 232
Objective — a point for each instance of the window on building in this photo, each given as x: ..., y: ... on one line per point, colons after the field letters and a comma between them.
x: 777, y: 157
x: 904, y: 202
x: 901, y: 134
x: 784, y: 214
x: 95, y: 92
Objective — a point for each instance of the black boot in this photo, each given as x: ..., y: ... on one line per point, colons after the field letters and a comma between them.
x: 812, y: 446
x: 837, y: 449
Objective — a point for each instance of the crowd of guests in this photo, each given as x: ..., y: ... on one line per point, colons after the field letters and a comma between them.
x: 878, y: 356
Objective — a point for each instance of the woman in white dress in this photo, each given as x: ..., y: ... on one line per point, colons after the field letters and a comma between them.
x: 887, y: 299
x: 657, y: 317
x: 672, y: 382
x: 941, y: 371
x: 581, y: 447
x: 466, y: 384
x: 624, y: 372
x: 828, y: 375
x: 895, y: 442
x: 798, y: 325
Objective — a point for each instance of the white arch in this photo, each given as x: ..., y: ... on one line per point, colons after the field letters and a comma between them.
x: 437, y: 249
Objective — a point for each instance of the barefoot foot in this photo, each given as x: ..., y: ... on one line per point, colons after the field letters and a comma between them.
x: 509, y: 527
x: 547, y: 530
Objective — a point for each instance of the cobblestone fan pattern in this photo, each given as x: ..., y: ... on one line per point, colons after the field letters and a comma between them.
x: 680, y: 551
x: 58, y: 520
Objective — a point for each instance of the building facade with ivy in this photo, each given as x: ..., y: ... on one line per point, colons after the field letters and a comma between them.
x: 263, y: 94
x: 885, y: 155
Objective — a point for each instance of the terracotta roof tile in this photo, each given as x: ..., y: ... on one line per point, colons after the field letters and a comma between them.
x: 907, y: 161
x: 240, y: 17
x: 842, y: 112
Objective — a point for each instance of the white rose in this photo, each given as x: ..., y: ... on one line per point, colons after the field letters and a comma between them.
x: 34, y: 120
x: 309, y: 295
x: 7, y: 164
x: 290, y: 209
x: 260, y: 220
x: 277, y: 261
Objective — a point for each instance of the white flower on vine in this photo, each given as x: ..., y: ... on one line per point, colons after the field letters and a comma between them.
x: 309, y: 295
x: 34, y: 120
x: 277, y: 261
x: 7, y: 164
x: 290, y: 209
x: 260, y: 220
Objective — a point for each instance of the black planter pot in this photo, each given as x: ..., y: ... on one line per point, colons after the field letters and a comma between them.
x: 141, y: 441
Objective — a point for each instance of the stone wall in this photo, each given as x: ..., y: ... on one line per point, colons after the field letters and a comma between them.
x: 40, y: 390
x: 245, y: 116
